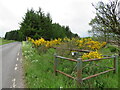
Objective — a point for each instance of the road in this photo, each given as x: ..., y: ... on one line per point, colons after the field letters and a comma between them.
x: 12, y: 73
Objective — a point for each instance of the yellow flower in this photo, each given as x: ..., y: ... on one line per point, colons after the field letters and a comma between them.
x: 91, y: 55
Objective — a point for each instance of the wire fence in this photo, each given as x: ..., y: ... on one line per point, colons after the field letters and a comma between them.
x: 79, y: 66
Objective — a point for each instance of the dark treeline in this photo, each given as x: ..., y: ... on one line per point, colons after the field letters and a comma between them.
x: 37, y: 24
x: 13, y: 35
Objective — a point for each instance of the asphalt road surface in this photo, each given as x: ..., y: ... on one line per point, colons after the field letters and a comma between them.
x: 12, y: 73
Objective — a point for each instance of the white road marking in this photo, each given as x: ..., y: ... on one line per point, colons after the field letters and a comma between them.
x: 14, y: 85
x: 15, y: 68
x: 17, y: 59
x: 14, y: 80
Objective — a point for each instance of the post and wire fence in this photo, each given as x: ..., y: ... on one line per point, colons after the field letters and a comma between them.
x: 79, y: 79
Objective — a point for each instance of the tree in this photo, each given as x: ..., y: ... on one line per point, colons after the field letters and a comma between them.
x: 106, y: 22
x: 58, y: 31
x: 13, y: 35
x: 37, y: 24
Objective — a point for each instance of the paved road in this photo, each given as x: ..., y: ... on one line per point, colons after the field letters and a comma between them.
x: 12, y: 74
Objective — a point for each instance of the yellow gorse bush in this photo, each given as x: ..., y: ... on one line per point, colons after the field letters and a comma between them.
x: 82, y: 44
x: 90, y: 44
x: 53, y: 42
x: 43, y: 42
x: 92, y: 55
x: 40, y: 42
x: 30, y: 39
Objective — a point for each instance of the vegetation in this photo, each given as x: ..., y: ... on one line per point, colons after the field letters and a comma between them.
x: 39, y: 69
x: 88, y: 44
x: 37, y: 24
x: 80, y: 43
x: 106, y: 24
x: 13, y: 35
x: 43, y: 36
x: 38, y: 66
x: 3, y: 41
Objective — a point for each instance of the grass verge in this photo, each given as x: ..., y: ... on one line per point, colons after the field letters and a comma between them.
x: 3, y: 41
x: 38, y: 69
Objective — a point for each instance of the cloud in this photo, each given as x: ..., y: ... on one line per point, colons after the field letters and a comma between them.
x: 74, y: 13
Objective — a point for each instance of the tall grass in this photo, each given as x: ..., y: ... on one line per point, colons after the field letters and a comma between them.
x: 39, y: 73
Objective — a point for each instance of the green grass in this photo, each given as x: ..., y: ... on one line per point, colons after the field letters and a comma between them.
x: 39, y: 69
x: 3, y: 41
x: 39, y: 73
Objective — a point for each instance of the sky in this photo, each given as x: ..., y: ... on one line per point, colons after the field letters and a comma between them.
x: 73, y: 13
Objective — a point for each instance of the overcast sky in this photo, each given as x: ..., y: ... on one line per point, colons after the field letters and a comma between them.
x: 74, y: 13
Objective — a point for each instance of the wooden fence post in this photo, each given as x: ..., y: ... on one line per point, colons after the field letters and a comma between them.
x: 79, y: 71
x: 116, y: 64
x: 55, y: 64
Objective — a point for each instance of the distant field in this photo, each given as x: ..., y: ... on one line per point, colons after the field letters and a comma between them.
x: 3, y: 41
